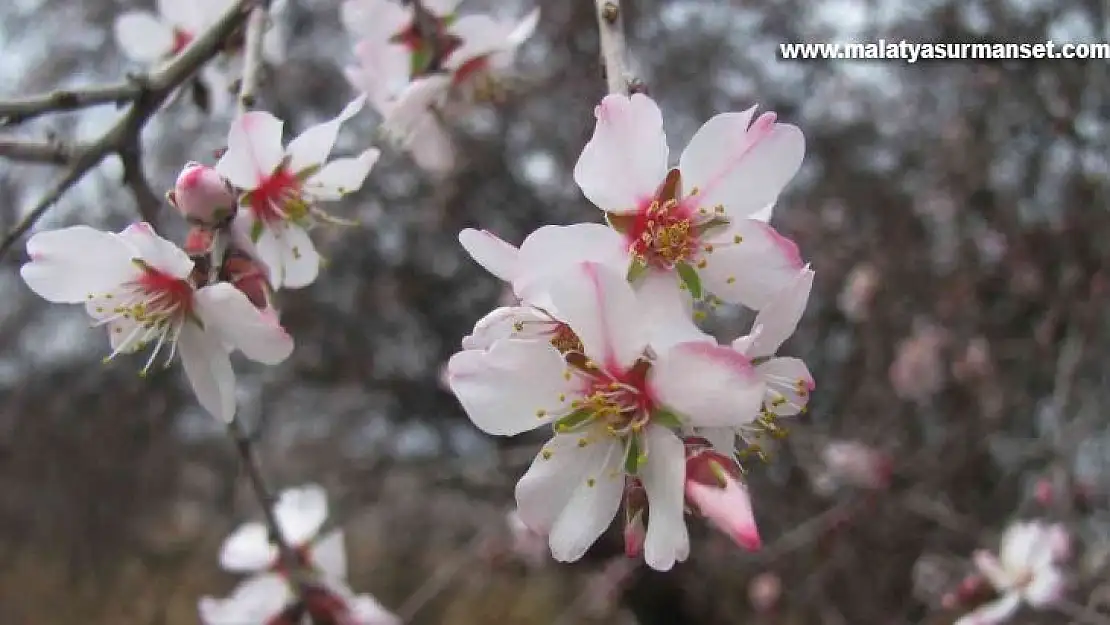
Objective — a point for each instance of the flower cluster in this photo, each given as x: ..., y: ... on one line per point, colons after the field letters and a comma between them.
x: 602, y: 345
x: 282, y: 593
x: 417, y: 62
x: 1026, y: 570
x: 250, y: 215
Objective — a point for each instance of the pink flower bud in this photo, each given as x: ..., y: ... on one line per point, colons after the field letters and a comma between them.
x: 715, y: 488
x: 247, y: 276
x: 203, y: 196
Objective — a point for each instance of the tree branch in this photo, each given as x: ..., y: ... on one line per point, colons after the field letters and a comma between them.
x: 252, y: 55
x: 19, y: 110
x: 27, y: 150
x: 614, y: 53
x: 152, y: 90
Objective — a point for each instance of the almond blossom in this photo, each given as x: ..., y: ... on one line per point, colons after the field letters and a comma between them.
x: 283, y: 186
x: 614, y: 404
x: 146, y: 291
x: 1026, y: 570
x: 149, y: 37
x: 716, y: 489
x: 277, y: 596
x: 700, y: 225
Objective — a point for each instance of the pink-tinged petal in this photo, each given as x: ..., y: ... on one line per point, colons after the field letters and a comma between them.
x: 253, y: 149
x: 311, y: 147
x: 142, y: 37
x: 789, y: 385
x: 525, y: 28
x: 191, y: 16
x: 740, y: 167
x: 749, y: 264
x: 554, y: 249
x: 992, y: 569
x: 493, y: 253
x: 441, y: 8
x: 209, y: 371
x: 430, y: 146
x: 509, y: 322
x: 480, y: 35
x: 227, y: 313
x: 381, y: 71
x: 594, y: 502
x: 1047, y: 587
x: 513, y: 387
x: 998, y: 611
x: 292, y: 258
x: 729, y: 509
x: 329, y: 554
x: 69, y: 264
x: 626, y: 158
x: 248, y: 550
x: 600, y: 306
x: 301, y: 513
x: 708, y: 385
x: 341, y: 176
x: 663, y: 476
x: 778, y: 319
x: 256, y: 600
x: 670, y: 312
x: 202, y: 195
x: 157, y: 252
x: 544, y: 490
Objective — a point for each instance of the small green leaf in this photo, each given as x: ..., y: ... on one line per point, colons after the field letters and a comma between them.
x: 666, y: 418
x: 635, y: 456
x: 690, y: 278
x: 256, y: 230
x: 307, y: 172
x: 636, y: 269
x: 573, y: 421
x: 420, y: 59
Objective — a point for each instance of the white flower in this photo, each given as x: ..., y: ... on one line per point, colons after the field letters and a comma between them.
x: 284, y: 185
x: 142, y: 288
x: 149, y: 37
x: 613, y: 403
x: 269, y: 599
x: 485, y: 54
x: 1026, y: 571
x: 700, y: 224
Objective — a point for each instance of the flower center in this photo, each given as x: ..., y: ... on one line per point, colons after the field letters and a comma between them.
x: 565, y: 340
x: 278, y: 197
x: 663, y: 234
x: 618, y: 401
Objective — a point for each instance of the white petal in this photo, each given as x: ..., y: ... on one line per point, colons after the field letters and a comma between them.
x: 209, y: 371
x: 1047, y: 587
x: 594, y: 502
x: 481, y: 35
x: 374, y: 19
x: 441, y: 8
x: 311, y: 147
x: 788, y: 385
x: 301, y: 512
x: 513, y: 387
x: 545, y: 489
x: 744, y: 169
x: 722, y: 439
x: 431, y: 147
x: 329, y: 554
x: 248, y: 550
x: 553, y: 249
x: 228, y: 313
x: 779, y: 318
x: 253, y: 149
x: 515, y: 322
x: 342, y: 176
x: 998, y: 611
x: 1018, y: 543
x: 625, y: 160
x: 749, y: 264
x: 142, y: 36
x: 669, y: 310
x: 525, y: 28
x: 707, y: 384
x: 68, y: 265
x: 664, y: 477
x: 157, y: 252
x: 381, y: 71
x: 256, y: 600
x: 288, y: 251
x: 600, y: 306
x: 494, y: 254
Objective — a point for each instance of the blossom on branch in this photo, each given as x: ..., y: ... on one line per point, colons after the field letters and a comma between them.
x: 276, y: 594
x: 614, y: 404
x: 150, y: 37
x: 146, y: 291
x: 283, y: 186
x: 1026, y: 570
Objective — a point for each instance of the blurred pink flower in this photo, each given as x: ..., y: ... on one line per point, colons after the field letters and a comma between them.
x: 917, y: 372
x: 858, y: 292
x: 852, y: 463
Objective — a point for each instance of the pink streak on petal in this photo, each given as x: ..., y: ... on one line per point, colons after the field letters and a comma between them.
x: 610, y: 356
x: 730, y: 358
x: 729, y: 509
x: 788, y: 248
x: 759, y: 130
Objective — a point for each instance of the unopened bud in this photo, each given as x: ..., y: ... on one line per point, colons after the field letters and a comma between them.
x: 635, y: 505
x: 715, y: 488
x: 247, y: 276
x: 203, y: 196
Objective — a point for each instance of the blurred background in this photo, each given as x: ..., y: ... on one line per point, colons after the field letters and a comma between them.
x: 955, y: 213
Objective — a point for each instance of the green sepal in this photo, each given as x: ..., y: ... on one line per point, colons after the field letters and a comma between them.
x: 256, y: 230
x: 634, y: 457
x: 690, y: 278
x: 636, y: 269
x: 573, y: 421
x: 666, y: 418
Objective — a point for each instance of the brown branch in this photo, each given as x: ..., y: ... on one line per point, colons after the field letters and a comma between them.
x: 614, y: 53
x: 19, y: 110
x: 146, y: 200
x: 31, y: 151
x: 153, y: 89
x: 252, y: 55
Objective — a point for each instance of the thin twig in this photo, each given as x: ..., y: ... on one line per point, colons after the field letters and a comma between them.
x: 153, y: 88
x: 252, y: 56
x: 19, y: 110
x: 245, y: 447
x: 614, y: 52
x: 27, y: 150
